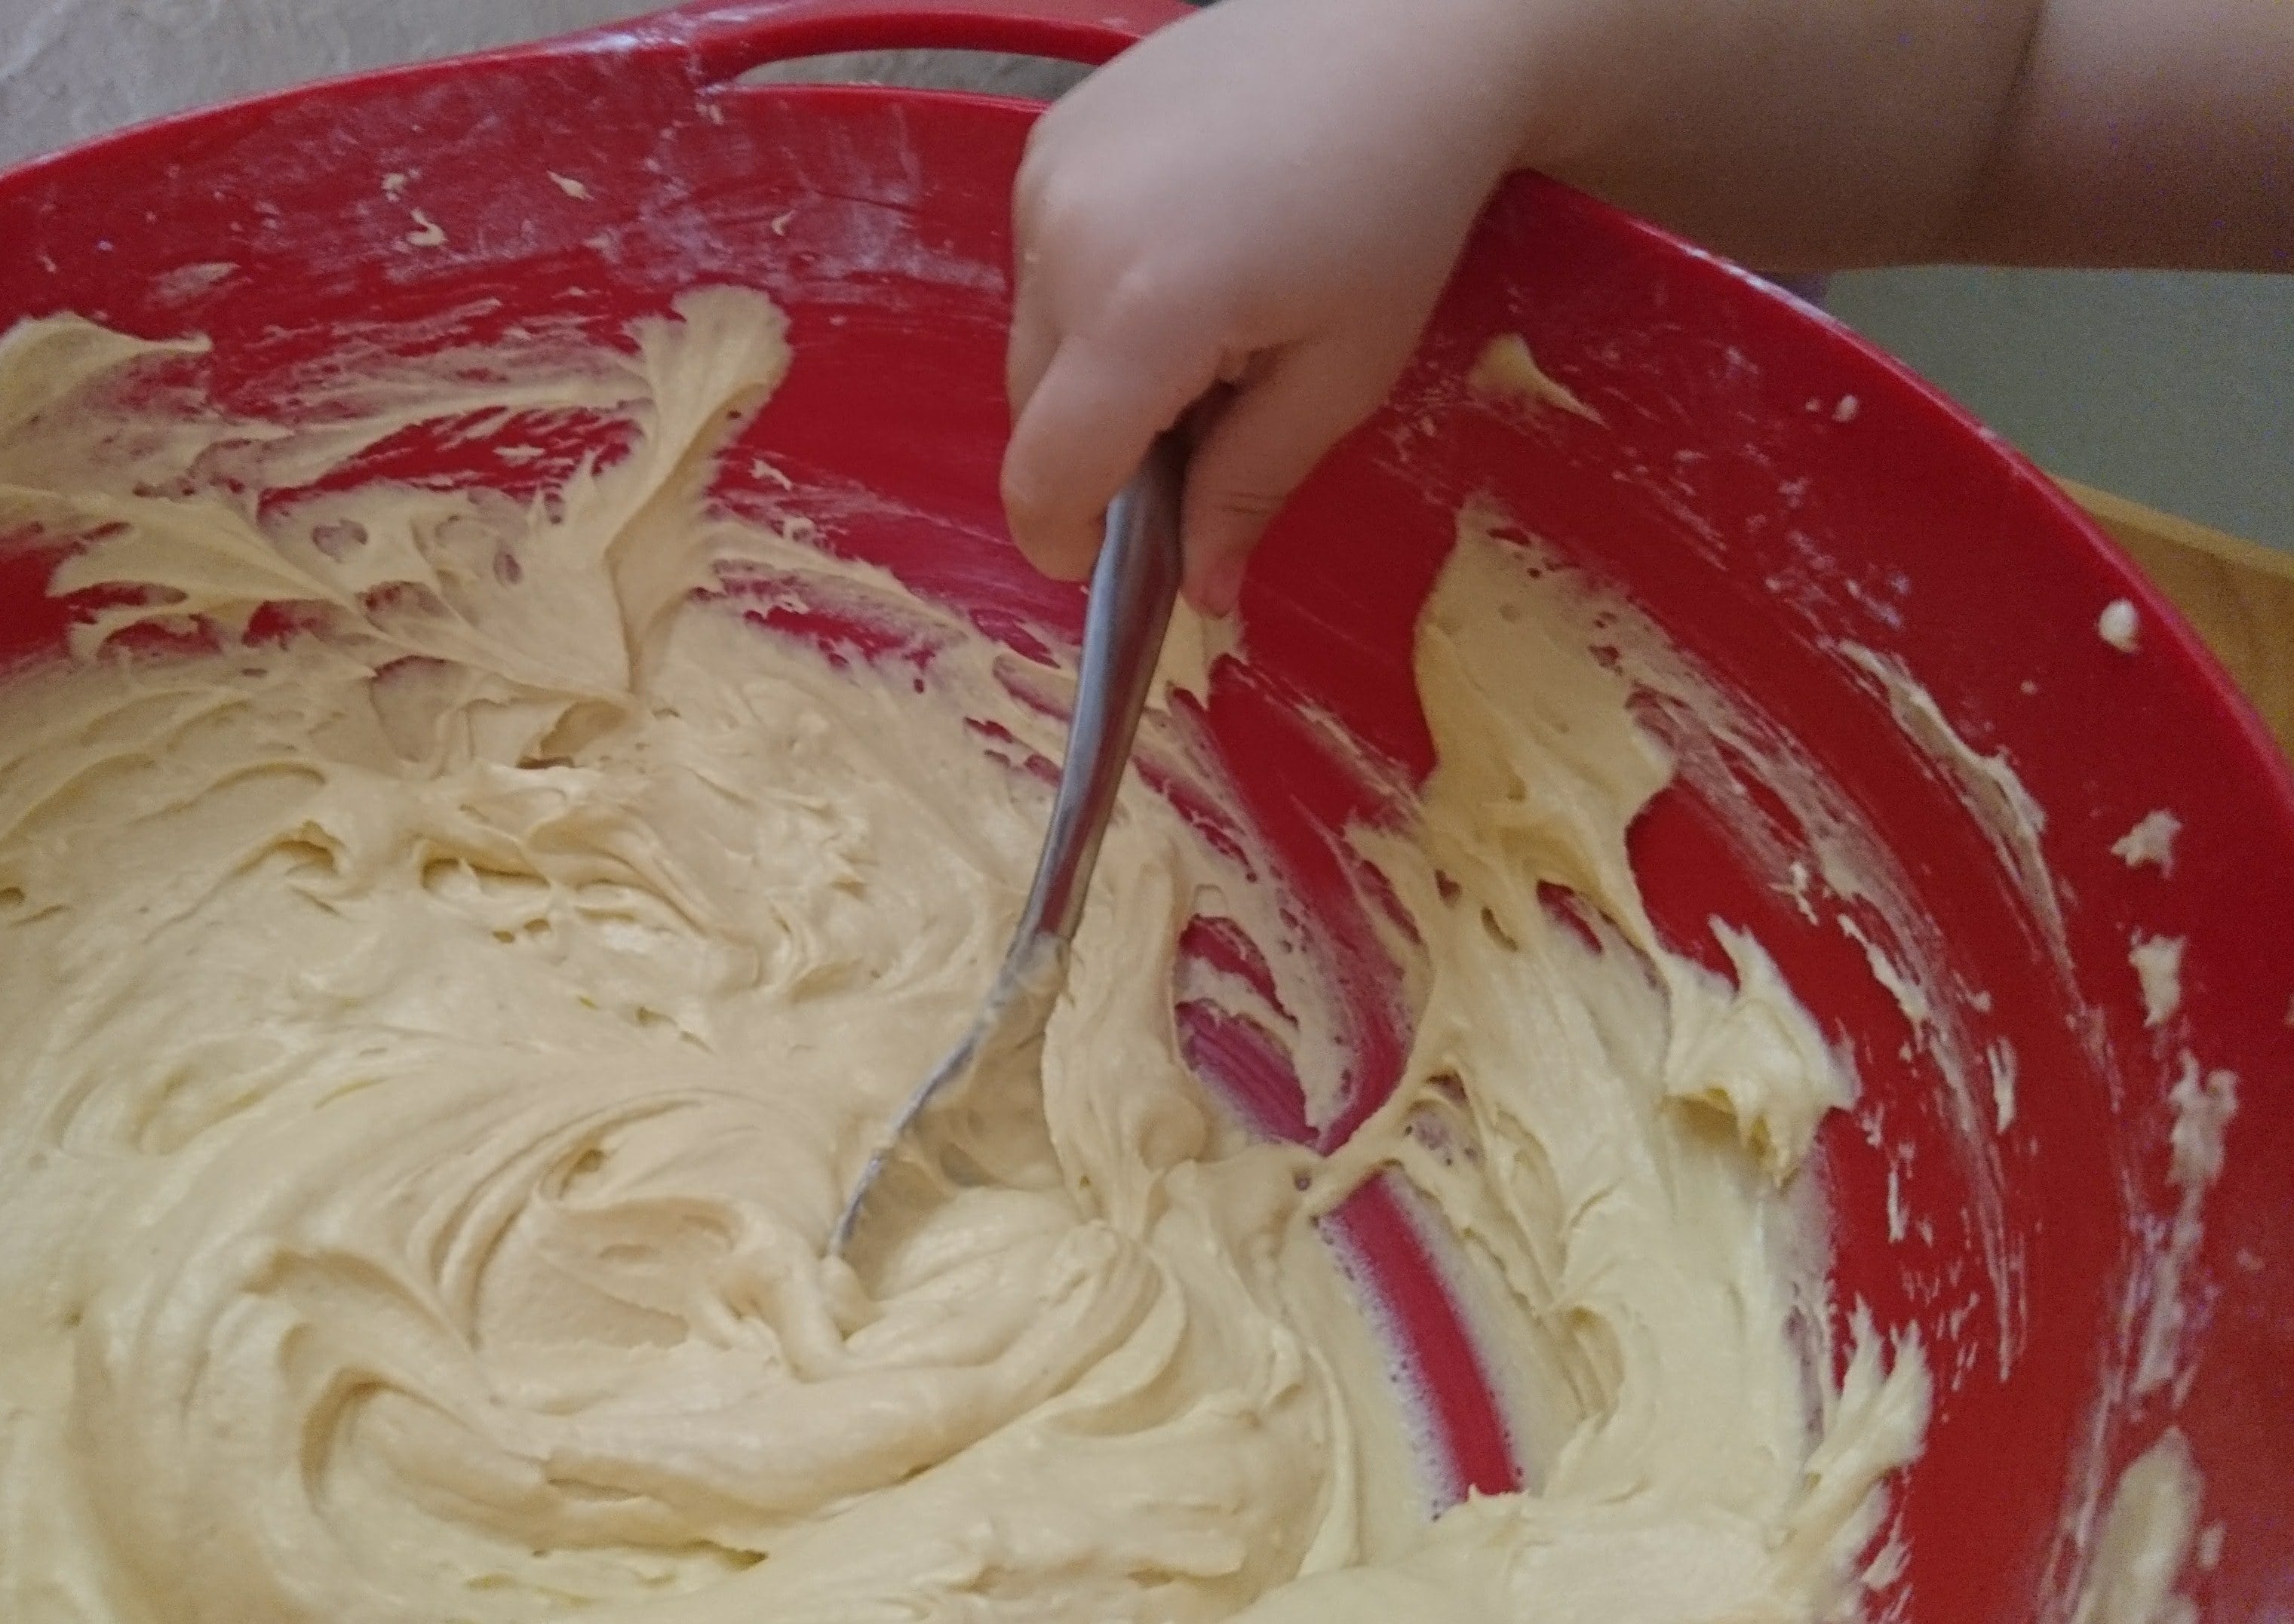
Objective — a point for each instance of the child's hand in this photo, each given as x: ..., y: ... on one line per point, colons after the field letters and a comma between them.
x: 1256, y: 208
x: 1258, y: 205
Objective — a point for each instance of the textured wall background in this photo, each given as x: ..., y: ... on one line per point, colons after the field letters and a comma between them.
x: 2177, y: 391
x: 71, y: 68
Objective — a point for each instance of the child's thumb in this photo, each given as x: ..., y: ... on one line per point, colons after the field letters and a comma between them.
x: 1259, y: 449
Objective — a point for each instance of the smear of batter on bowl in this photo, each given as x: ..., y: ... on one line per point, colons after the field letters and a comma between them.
x: 2151, y: 840
x: 1507, y: 371
x: 2204, y: 1103
x: 2158, y: 964
x: 2000, y: 1059
x: 456, y: 959
x: 2145, y: 1540
x: 1987, y: 785
x: 1910, y: 997
x: 2120, y: 626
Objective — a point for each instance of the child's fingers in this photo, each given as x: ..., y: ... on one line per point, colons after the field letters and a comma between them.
x: 1026, y: 352
x: 1084, y: 426
x: 1261, y: 446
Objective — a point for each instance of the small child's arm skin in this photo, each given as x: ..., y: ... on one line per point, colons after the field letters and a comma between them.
x: 1249, y: 215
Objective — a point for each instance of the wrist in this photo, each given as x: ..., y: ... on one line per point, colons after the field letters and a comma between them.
x: 1577, y: 81
x: 1475, y: 71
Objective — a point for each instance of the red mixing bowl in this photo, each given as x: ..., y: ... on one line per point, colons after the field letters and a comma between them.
x: 1772, y: 491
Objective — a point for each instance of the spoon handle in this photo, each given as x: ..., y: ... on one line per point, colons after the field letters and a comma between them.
x: 1133, y: 588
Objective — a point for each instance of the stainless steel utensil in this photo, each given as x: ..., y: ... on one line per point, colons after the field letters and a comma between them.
x: 1133, y: 588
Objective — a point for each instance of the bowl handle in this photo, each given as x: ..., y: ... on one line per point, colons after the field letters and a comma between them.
x: 726, y: 38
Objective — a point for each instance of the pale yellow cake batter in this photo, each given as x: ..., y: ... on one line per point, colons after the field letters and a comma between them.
x: 437, y: 1041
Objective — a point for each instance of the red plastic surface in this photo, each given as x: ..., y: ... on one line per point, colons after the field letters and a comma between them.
x: 1727, y: 490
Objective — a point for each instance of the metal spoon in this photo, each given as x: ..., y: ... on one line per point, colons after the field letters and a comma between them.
x: 1133, y: 588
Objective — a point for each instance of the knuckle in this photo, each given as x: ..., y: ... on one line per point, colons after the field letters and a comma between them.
x: 1243, y: 505
x: 1155, y: 295
x: 1120, y: 252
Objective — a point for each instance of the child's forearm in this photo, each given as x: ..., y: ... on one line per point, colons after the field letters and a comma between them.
x: 1247, y: 219
x: 2144, y: 133
x: 1798, y: 134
